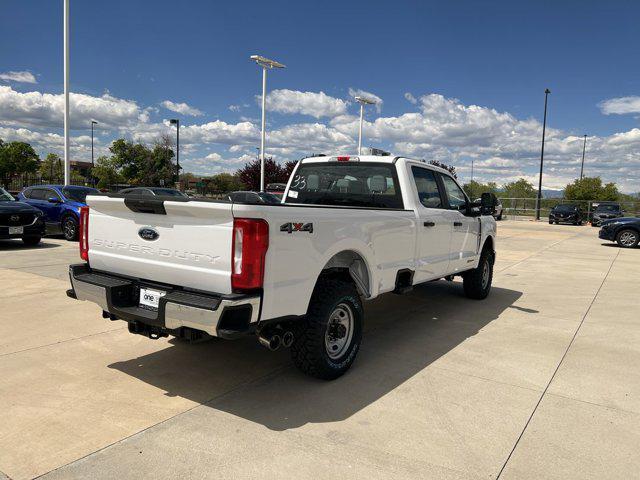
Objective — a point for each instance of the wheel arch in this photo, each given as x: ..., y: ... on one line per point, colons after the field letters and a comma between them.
x: 350, y: 264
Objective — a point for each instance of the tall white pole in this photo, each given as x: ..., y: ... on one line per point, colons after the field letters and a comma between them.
x: 67, y: 160
x: 360, y: 130
x: 264, y: 106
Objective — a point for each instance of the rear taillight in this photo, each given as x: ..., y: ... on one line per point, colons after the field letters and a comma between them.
x: 249, y: 248
x: 84, y: 233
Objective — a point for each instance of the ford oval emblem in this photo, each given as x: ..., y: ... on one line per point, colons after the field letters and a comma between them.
x: 148, y: 233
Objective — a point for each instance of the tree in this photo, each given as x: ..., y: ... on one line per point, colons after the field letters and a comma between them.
x: 225, y: 182
x: 288, y: 167
x: 273, y: 173
x: 51, y: 167
x: 474, y: 189
x: 591, y: 188
x: 17, y: 158
x: 139, y: 165
x: 450, y: 168
x: 106, y: 172
x: 519, y: 189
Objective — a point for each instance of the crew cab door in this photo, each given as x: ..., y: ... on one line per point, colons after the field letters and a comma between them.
x: 433, y: 229
x: 463, y: 247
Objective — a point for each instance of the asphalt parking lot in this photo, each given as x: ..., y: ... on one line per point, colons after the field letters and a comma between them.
x: 541, y: 380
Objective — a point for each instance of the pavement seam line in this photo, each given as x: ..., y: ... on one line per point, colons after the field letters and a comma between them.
x: 539, y: 252
x: 61, y: 341
x: 273, y: 372
x: 544, y: 392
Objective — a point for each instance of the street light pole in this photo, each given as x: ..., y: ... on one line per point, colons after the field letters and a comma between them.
x: 544, y: 127
x: 67, y: 160
x: 264, y: 63
x: 362, y: 101
x: 472, y: 169
x: 584, y: 147
x: 93, y: 122
x: 176, y: 122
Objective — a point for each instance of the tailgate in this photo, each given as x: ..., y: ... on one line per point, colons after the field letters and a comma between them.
x: 186, y: 243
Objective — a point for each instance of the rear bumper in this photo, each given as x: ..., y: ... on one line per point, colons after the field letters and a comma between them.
x: 226, y: 316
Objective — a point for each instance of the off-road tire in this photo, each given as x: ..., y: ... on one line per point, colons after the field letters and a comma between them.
x: 309, y: 351
x: 630, y: 240
x: 499, y: 217
x: 70, y: 228
x: 473, y: 281
x: 31, y: 241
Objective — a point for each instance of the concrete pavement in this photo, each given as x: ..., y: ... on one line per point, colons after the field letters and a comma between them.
x: 541, y: 380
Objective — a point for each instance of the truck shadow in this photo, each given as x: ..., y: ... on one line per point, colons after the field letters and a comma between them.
x: 403, y: 336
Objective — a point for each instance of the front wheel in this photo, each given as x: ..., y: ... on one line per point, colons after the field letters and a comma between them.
x: 477, y: 282
x: 70, y: 228
x: 627, y: 238
x: 328, y: 339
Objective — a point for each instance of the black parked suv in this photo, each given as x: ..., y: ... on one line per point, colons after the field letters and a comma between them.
x: 606, y: 211
x: 625, y: 231
x: 565, y: 213
x: 20, y: 220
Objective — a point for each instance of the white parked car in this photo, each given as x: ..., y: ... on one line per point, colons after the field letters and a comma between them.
x: 295, y: 274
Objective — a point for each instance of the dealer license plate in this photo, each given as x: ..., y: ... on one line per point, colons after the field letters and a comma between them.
x: 150, y: 298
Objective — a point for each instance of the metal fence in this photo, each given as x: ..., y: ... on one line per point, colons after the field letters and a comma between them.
x: 525, y: 208
x: 16, y: 183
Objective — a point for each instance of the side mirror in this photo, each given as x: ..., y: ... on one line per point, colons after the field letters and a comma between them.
x: 488, y: 202
x: 53, y: 200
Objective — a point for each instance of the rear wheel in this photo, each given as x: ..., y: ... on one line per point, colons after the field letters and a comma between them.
x: 477, y: 282
x: 31, y: 241
x: 327, y: 341
x: 627, y: 238
x: 70, y: 228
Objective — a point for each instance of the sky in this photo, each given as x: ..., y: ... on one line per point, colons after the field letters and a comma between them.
x: 460, y: 82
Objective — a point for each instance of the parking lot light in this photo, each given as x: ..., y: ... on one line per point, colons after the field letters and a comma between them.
x: 544, y: 127
x: 265, y: 63
x: 93, y: 122
x: 176, y: 122
x: 584, y: 147
x: 362, y: 101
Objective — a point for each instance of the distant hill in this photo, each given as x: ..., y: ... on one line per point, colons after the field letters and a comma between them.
x: 550, y: 193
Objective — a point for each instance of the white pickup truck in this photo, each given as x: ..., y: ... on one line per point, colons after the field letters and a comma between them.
x: 295, y: 274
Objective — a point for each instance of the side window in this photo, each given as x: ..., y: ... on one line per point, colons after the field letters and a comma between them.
x: 454, y: 192
x: 38, y: 194
x: 428, y: 191
x: 47, y: 193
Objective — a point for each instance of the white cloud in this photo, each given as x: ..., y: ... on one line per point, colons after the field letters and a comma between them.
x: 182, y: 108
x: 18, y: 77
x: 356, y: 92
x: 315, y: 104
x: 410, y: 98
x: 37, y: 109
x: 620, y: 105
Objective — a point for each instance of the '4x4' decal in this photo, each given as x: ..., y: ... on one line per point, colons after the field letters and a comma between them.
x: 296, y: 227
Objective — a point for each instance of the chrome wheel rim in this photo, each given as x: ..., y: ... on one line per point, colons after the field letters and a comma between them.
x: 486, y: 270
x: 69, y: 228
x: 339, y: 333
x: 627, y: 238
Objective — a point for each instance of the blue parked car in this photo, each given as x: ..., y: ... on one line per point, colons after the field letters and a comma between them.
x: 60, y: 205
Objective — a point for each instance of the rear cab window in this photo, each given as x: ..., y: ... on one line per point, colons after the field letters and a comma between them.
x: 350, y: 184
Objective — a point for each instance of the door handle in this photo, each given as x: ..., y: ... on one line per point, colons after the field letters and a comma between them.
x: 429, y: 224
x: 457, y: 224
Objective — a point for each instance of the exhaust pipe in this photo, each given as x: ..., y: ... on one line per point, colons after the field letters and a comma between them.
x: 287, y: 339
x: 272, y: 342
